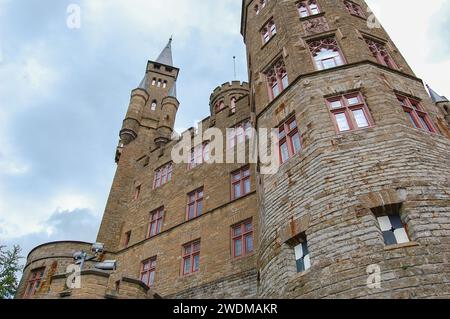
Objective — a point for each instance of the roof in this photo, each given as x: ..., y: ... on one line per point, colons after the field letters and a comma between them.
x: 165, y: 57
x: 436, y: 97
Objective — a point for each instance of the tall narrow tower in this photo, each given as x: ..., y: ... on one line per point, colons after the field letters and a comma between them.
x: 360, y: 205
x: 148, y: 125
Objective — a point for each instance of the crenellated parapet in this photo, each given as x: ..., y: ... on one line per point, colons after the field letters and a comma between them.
x: 225, y: 95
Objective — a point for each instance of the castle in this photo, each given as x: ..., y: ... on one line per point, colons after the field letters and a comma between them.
x: 359, y: 206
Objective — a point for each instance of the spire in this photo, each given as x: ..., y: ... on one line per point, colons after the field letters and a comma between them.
x: 166, y: 55
x: 436, y: 97
x: 173, y: 90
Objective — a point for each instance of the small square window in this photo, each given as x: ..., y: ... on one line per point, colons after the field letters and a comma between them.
x: 393, y: 229
x: 302, y: 257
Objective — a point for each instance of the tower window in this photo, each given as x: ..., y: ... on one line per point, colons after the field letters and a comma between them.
x: 302, y: 257
x: 268, y: 31
x: 199, y: 155
x: 164, y: 84
x: 148, y: 270
x: 380, y: 52
x: 277, y: 79
x: 416, y: 114
x: 220, y: 106
x: 163, y: 175
x: 159, y: 83
x: 127, y: 239
x: 191, y: 258
x: 34, y: 282
x: 256, y: 9
x: 240, y: 183
x: 350, y: 112
x: 326, y: 53
x: 154, y: 104
x: 289, y: 140
x: 154, y: 81
x: 393, y: 229
x: 195, y: 204
x: 137, y: 192
x: 308, y: 8
x: 233, y: 105
x: 239, y: 134
x: 354, y: 9
x: 156, y: 219
x: 242, y: 239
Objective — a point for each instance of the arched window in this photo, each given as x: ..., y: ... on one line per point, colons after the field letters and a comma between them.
x: 164, y: 84
x: 159, y: 83
x: 277, y: 79
x: 326, y: 53
x: 154, y: 104
x: 233, y: 105
x: 220, y: 106
x: 380, y: 52
x: 308, y: 8
x: 256, y: 9
x: 354, y: 9
x: 154, y: 81
x: 268, y: 31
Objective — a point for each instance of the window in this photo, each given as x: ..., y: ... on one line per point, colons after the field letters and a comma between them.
x: 256, y: 9
x: 154, y: 104
x: 156, y: 220
x: 240, y: 183
x: 137, y: 192
x: 154, y: 81
x: 288, y: 140
x: 220, y: 106
x: 308, y: 8
x: 416, y: 114
x: 380, y: 52
x: 326, y: 53
x: 240, y: 133
x: 277, y: 79
x: 268, y: 31
x: 354, y: 9
x: 163, y: 175
x: 233, y: 105
x: 127, y: 239
x: 350, y: 112
x: 242, y: 239
x: 164, y: 84
x: 195, y: 204
x: 302, y: 257
x: 391, y: 225
x: 34, y: 282
x: 199, y: 155
x: 191, y: 258
x: 148, y: 271
x: 159, y: 83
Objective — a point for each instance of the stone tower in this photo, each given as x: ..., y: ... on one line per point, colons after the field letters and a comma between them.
x: 364, y: 183
x: 149, y: 124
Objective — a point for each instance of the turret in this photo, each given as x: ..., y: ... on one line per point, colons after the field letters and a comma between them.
x: 226, y: 95
x: 168, y: 113
x: 441, y: 102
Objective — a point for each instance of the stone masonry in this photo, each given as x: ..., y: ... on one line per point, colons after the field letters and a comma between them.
x: 329, y: 193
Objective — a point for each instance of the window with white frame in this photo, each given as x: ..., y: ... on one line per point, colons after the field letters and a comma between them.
x: 302, y: 257
x: 391, y: 225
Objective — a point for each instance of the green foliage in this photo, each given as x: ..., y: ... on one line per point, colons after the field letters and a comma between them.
x: 9, y: 268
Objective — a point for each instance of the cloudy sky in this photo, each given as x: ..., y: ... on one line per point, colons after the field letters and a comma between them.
x: 64, y: 92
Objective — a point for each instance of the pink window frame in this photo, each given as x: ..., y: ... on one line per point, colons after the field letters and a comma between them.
x: 149, y: 271
x: 190, y: 256
x: 339, y: 51
x: 279, y: 78
x: 348, y: 109
x: 288, y: 138
x: 233, y: 105
x: 34, y: 279
x: 156, y: 219
x: 358, y: 12
x: 307, y: 5
x: 415, y: 111
x: 241, y: 129
x: 220, y: 106
x: 198, y: 195
x: 163, y: 175
x: 243, y: 236
x: 243, y: 177
x: 390, y: 63
x: 271, y: 29
x: 193, y: 156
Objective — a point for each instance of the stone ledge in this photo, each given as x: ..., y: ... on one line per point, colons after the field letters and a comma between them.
x: 400, y: 246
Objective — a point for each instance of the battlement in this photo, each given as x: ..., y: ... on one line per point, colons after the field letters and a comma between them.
x: 226, y: 92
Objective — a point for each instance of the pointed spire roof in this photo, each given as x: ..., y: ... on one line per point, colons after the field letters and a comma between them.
x: 436, y: 97
x: 166, y: 55
x: 173, y: 90
x: 144, y: 83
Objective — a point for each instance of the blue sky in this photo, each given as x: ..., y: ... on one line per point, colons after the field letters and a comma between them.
x: 64, y: 92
